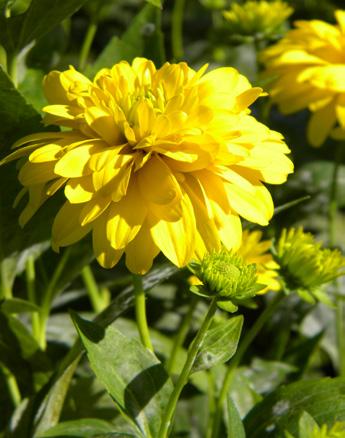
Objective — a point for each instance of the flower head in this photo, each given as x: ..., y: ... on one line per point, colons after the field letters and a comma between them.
x: 305, y: 266
x: 154, y: 160
x: 227, y: 276
x: 257, y: 17
x: 255, y: 250
x: 308, y: 70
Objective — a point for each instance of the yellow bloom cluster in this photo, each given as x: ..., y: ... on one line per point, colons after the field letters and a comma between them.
x: 255, y: 250
x: 154, y: 160
x: 308, y: 71
x: 257, y: 17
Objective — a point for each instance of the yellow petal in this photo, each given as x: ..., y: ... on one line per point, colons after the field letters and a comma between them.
x: 93, y: 209
x: 79, y: 190
x: 125, y: 218
x: 177, y: 239
x: 320, y: 124
x: 45, y: 153
x: 36, y: 199
x: 141, y: 251
x: 36, y: 173
x: 75, y: 162
x: 66, y: 227
x: 157, y: 182
x: 106, y: 256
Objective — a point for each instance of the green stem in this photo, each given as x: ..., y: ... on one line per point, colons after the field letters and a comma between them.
x: 176, y: 30
x: 49, y: 296
x: 332, y: 221
x: 140, y: 312
x: 85, y: 49
x: 12, y: 385
x: 92, y: 288
x: 242, y: 349
x: 30, y: 275
x: 181, y: 335
x: 333, y: 204
x: 183, y: 378
x: 5, y: 287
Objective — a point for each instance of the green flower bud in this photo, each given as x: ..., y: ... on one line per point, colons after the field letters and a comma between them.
x: 305, y: 266
x: 227, y: 276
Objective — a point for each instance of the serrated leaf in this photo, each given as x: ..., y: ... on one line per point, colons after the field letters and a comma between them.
x: 323, y: 399
x: 84, y: 428
x: 135, y: 379
x: 219, y: 345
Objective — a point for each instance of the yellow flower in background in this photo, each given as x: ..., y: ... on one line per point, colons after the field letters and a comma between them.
x: 257, y: 17
x: 308, y: 70
x: 305, y: 266
x: 255, y: 250
x: 154, y: 160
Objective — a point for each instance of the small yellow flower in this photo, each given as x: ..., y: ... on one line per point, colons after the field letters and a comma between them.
x: 308, y: 70
x: 255, y: 250
x: 305, y: 266
x: 226, y: 276
x: 257, y: 17
x: 152, y: 160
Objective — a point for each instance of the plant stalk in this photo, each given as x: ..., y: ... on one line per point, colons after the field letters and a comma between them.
x: 30, y: 275
x: 183, y: 378
x: 236, y: 360
x: 92, y: 288
x: 181, y: 335
x: 87, y: 43
x: 140, y: 312
x: 177, y: 30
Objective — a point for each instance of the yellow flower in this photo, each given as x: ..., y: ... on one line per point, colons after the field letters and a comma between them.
x: 308, y: 71
x: 257, y: 17
x: 155, y: 160
x: 305, y: 266
x: 255, y: 250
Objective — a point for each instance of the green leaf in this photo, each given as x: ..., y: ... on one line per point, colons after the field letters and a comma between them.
x: 307, y: 425
x: 142, y: 38
x: 323, y: 399
x: 234, y: 425
x: 20, y: 353
x: 135, y: 378
x: 18, y: 118
x: 85, y: 428
x: 40, y: 17
x: 220, y: 344
x: 17, y: 305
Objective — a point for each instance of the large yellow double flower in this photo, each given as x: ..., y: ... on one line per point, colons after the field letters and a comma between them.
x: 154, y: 160
x: 308, y: 67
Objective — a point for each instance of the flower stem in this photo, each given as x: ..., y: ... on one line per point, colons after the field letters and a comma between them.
x: 183, y: 378
x: 88, y: 40
x: 140, y: 312
x: 181, y: 335
x: 49, y: 296
x: 332, y: 221
x: 92, y: 288
x: 30, y: 285
x: 333, y: 204
x: 12, y: 385
x: 243, y: 347
x: 176, y: 30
